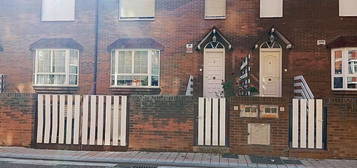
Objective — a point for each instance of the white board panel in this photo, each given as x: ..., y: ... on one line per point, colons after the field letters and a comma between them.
x: 215, y: 122
x: 319, y: 122
x: 54, y: 118
x: 200, y: 120
x: 208, y: 122
x: 93, y: 117
x: 295, y: 123
x: 303, y: 123
x: 47, y: 118
x: 116, y: 121
x: 61, y: 120
x: 100, y: 120
x: 122, y: 121
x: 77, y: 105
x: 311, y: 123
x: 39, y: 119
x: 85, y: 120
x: 69, y: 119
x: 222, y: 123
x: 108, y: 120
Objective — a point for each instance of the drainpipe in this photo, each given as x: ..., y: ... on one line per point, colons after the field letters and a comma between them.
x: 94, y: 90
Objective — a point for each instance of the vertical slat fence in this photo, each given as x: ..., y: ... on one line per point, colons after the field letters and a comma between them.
x: 307, y: 124
x: 211, y: 122
x: 82, y: 120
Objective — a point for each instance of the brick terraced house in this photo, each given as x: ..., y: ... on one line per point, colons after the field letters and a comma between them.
x: 279, y: 49
x: 153, y: 47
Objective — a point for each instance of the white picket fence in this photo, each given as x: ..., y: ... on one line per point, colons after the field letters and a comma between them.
x: 82, y: 120
x: 307, y: 123
x: 212, y: 121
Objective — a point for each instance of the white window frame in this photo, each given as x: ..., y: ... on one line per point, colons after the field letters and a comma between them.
x: 54, y: 19
x: 149, y: 74
x: 136, y: 18
x: 270, y: 16
x: 67, y: 69
x: 345, y: 70
x: 215, y: 17
x: 344, y: 13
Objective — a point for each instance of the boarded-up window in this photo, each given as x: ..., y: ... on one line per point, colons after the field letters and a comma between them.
x: 137, y: 9
x: 348, y: 7
x: 58, y: 10
x: 271, y: 8
x: 258, y: 134
x: 215, y: 9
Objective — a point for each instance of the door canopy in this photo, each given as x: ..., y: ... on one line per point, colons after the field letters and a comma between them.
x: 214, y: 39
x: 273, y: 40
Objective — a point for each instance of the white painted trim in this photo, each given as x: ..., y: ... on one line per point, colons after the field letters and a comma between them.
x: 295, y: 124
x: 40, y: 119
x: 303, y: 123
x: 201, y: 105
x: 280, y: 69
x: 54, y: 118
x: 77, y: 102
x: 69, y: 119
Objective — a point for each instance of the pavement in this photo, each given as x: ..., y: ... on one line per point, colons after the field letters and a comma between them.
x: 24, y: 157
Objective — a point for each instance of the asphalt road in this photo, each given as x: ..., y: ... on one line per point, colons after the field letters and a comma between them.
x: 27, y: 163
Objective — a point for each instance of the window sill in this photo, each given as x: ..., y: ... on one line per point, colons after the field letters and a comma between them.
x: 56, y: 89
x: 134, y: 91
x: 345, y: 92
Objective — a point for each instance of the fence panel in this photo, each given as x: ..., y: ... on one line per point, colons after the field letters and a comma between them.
x: 211, y: 122
x: 70, y: 118
x: 307, y: 123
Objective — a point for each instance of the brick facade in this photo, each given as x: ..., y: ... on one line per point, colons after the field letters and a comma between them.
x: 17, y: 119
x: 176, y: 24
x: 238, y: 127
x: 162, y: 123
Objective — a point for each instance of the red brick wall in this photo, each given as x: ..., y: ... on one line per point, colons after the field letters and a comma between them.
x: 238, y: 127
x: 161, y: 123
x: 17, y: 119
x: 341, y: 134
x: 176, y: 23
x: 21, y: 26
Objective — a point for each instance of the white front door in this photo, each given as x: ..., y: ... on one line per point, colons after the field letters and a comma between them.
x: 270, y: 73
x: 213, y: 72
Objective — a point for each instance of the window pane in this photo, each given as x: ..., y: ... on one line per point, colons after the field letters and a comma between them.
x: 141, y: 62
x: 112, y: 80
x: 124, y: 62
x: 58, y: 10
x: 74, y: 57
x: 59, y: 61
x: 125, y: 81
x: 352, y: 61
x: 215, y: 8
x: 44, y: 61
x: 58, y: 79
x: 338, y: 82
x: 352, y: 82
x: 43, y: 79
x: 155, y: 63
x: 73, y: 79
x: 73, y: 69
x: 137, y: 8
x: 140, y: 81
x: 338, y: 62
x: 155, y: 81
